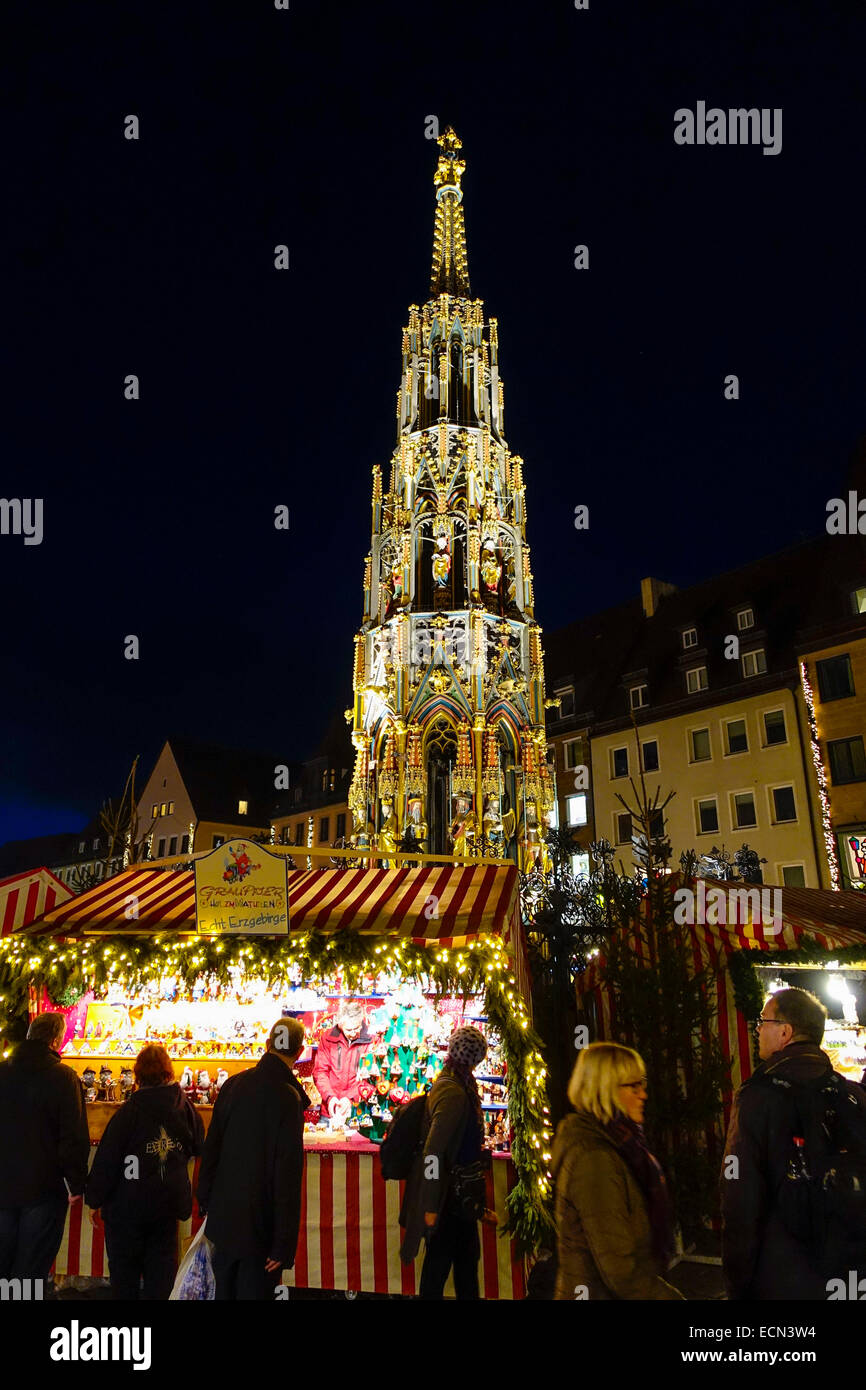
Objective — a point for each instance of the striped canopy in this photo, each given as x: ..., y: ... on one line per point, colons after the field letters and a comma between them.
x: 25, y: 897
x: 440, y: 903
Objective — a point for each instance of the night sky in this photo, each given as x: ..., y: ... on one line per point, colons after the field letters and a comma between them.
x: 261, y: 387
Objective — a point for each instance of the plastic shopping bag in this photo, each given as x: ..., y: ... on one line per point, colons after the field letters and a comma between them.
x: 195, y: 1274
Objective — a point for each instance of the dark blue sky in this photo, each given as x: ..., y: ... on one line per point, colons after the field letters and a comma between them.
x: 258, y: 388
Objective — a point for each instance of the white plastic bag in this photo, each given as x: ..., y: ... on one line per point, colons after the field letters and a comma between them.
x: 195, y: 1279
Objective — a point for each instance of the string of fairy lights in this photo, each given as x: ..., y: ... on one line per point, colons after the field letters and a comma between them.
x: 821, y: 776
x: 481, y: 967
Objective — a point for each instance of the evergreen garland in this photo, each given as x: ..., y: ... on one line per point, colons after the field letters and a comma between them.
x: 67, y: 968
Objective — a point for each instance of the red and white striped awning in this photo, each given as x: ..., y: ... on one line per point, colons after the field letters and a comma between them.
x: 443, y: 903
x: 25, y: 897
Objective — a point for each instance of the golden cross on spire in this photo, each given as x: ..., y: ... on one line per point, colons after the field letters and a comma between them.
x: 449, y: 274
x: 449, y: 170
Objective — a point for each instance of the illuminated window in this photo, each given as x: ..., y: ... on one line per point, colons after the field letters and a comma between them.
x: 744, y: 810
x: 696, y: 679
x: 737, y: 738
x: 847, y: 760
x: 171, y: 808
x: 162, y: 809
x: 580, y: 865
x: 835, y: 681
x: 154, y: 811
x: 650, y: 754
x: 575, y: 807
x: 700, y: 745
x: 774, y: 727
x: 243, y: 808
x: 784, y: 805
x: 858, y: 599
x: 754, y: 663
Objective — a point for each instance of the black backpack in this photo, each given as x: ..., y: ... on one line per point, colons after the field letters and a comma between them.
x: 404, y: 1140
x: 826, y: 1210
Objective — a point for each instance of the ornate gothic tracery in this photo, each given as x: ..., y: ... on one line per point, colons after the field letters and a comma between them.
x: 449, y: 695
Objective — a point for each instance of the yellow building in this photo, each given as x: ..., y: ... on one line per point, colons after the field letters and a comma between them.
x: 833, y: 714
x: 744, y: 696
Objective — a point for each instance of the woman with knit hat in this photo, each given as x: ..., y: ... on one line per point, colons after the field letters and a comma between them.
x: 444, y: 1196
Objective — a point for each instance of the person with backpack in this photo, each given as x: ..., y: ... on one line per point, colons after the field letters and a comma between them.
x: 793, y: 1184
x: 140, y: 1180
x: 444, y: 1197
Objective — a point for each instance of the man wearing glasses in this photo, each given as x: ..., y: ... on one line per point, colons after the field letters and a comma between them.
x: 762, y: 1259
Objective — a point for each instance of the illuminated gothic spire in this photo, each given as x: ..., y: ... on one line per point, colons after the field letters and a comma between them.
x: 450, y: 273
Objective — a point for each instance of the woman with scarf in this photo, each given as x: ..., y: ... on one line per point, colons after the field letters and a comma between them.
x: 613, y: 1213
x: 444, y: 1197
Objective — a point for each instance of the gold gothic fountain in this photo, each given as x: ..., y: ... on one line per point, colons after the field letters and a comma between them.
x: 449, y: 698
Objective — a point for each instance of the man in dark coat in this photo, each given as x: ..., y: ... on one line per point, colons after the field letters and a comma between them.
x: 250, y: 1179
x: 44, y: 1149
x: 761, y: 1258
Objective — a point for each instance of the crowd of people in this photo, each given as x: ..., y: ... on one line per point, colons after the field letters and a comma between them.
x: 614, y: 1218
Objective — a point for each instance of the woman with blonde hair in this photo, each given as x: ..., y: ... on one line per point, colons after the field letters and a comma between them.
x: 613, y: 1214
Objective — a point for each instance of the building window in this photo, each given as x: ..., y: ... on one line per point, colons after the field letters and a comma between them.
x: 217, y: 841
x: 699, y: 742
x: 745, y: 619
x: 793, y: 875
x: 575, y: 808
x: 619, y: 762
x: 708, y: 816
x: 323, y: 828
x: 154, y: 811
x: 160, y: 849
x: 735, y: 733
x: 696, y: 679
x: 171, y: 808
x: 566, y: 702
x: 341, y: 825
x: 754, y: 663
x: 858, y: 600
x: 847, y: 760
x: 784, y: 806
x: 623, y: 828
x: 99, y: 869
x: 744, y: 811
x: 172, y: 845
x: 690, y: 637
x: 657, y: 825
x: 580, y: 865
x: 638, y: 696
x: 650, y: 755
x: 162, y: 808
x: 572, y: 753
x: 774, y: 727
x: 299, y: 833
x: 835, y: 680
x: 184, y: 844
x: 243, y: 808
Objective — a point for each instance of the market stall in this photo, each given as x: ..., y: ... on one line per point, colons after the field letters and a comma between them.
x: 818, y: 943
x: 25, y: 897
x: 380, y: 965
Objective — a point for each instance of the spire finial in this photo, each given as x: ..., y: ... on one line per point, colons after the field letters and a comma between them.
x: 450, y: 274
